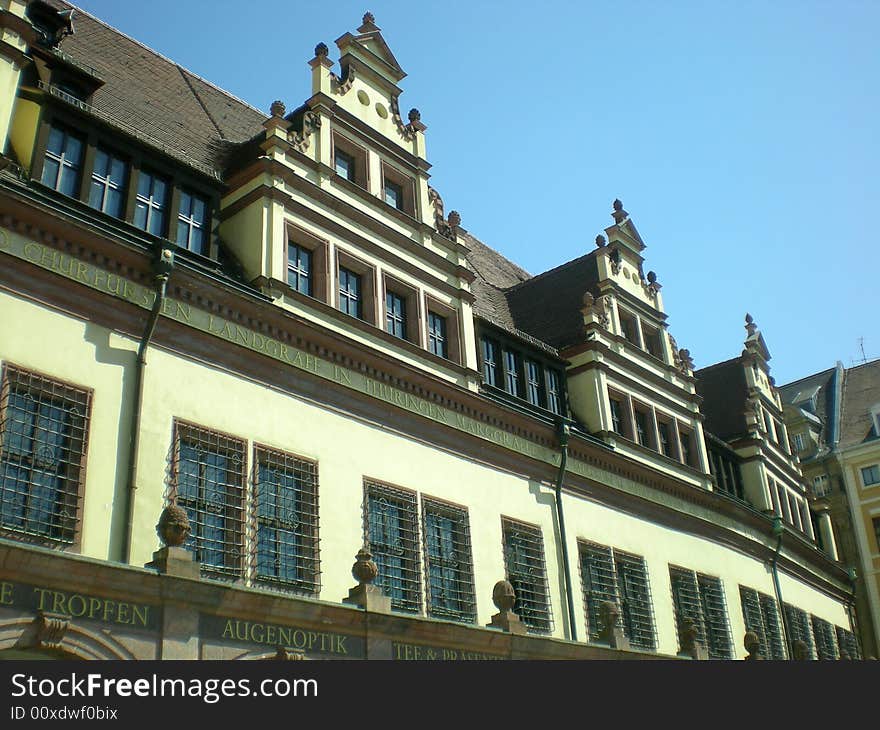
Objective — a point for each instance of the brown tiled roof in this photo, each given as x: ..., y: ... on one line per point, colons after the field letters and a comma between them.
x: 494, y: 275
x: 861, y: 391
x: 156, y: 100
x: 724, y: 392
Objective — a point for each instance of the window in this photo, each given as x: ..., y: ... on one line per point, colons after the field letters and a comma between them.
x: 876, y: 523
x: 534, y: 387
x: 437, y: 334
x: 554, y: 391
x: 448, y: 572
x: 653, y: 341
x: 821, y: 485
x: 611, y: 575
x: 286, y: 503
x: 395, y: 315
x: 826, y: 642
x: 43, y: 431
x: 61, y: 165
x: 490, y: 361
x: 511, y: 372
x: 394, y: 194
x: 344, y: 164
x: 629, y: 327
x: 726, y: 470
x: 527, y: 573
x: 761, y: 616
x: 701, y: 598
x: 299, y: 269
x: 350, y: 293
x: 768, y: 425
x: 392, y: 533
x: 192, y: 220
x: 664, y: 432
x: 150, y: 203
x: 799, y: 442
x: 617, y: 418
x: 871, y: 475
x: 799, y: 627
x: 107, y: 193
x: 846, y: 640
x: 209, y: 477
x: 686, y: 445
x: 644, y: 426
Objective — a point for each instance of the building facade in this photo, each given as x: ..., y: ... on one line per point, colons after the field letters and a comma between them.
x: 272, y: 324
x: 834, y: 424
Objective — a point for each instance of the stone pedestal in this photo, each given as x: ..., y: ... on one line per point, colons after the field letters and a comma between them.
x: 508, y: 621
x: 175, y: 561
x: 369, y: 598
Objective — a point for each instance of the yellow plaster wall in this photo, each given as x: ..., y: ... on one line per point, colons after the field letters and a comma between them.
x: 88, y: 356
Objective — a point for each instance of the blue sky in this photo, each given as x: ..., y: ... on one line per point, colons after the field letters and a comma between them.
x: 741, y: 137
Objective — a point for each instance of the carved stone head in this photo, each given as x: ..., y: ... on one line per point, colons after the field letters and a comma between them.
x: 752, y: 644
x: 173, y: 528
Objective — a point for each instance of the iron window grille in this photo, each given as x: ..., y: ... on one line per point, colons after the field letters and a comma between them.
x: 701, y: 598
x: 350, y: 293
x: 391, y: 530
x: 192, y: 222
x: 395, y: 315
x: 62, y: 161
x: 209, y: 479
x: 534, y: 389
x: 761, y: 615
x: 150, y: 203
x: 826, y: 642
x: 527, y: 573
x: 107, y: 192
x: 286, y: 552
x: 799, y: 627
x: 437, y: 343
x: 448, y: 562
x: 490, y: 361
x: 612, y: 575
x: 44, y: 427
x: 846, y: 640
x: 299, y: 269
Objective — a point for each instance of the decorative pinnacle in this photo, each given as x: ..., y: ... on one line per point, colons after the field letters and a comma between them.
x: 321, y: 50
x: 617, y: 205
x: 173, y: 528
x: 503, y: 595
x: 364, y: 571
x: 277, y: 109
x: 600, y: 240
x: 454, y: 218
x: 751, y: 327
x: 652, y: 277
x: 369, y: 18
x: 619, y: 213
x: 415, y: 115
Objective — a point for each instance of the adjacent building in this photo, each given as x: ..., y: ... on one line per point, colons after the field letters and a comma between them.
x: 269, y: 330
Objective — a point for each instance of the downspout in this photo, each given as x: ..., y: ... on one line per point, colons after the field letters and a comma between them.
x: 564, y: 431
x: 850, y: 610
x: 778, y: 530
x: 163, y: 263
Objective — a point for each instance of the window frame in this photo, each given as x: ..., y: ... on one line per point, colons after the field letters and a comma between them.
x: 358, y: 155
x: 69, y: 131
x: 189, y: 221
x: 105, y: 183
x: 410, y: 295
x: 714, y: 636
x: 874, y: 471
x: 367, y: 274
x: 405, y: 184
x: 318, y: 248
x: 454, y: 347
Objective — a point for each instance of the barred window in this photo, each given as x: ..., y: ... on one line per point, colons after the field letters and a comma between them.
x: 761, y: 616
x: 701, y: 598
x: 527, y: 573
x: 846, y: 640
x: 826, y: 642
x: 448, y: 562
x: 393, y: 535
x: 612, y: 575
x: 286, y: 524
x: 799, y: 627
x: 44, y: 428
x: 209, y: 474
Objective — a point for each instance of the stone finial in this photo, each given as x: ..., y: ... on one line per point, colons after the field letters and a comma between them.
x: 369, y: 23
x: 619, y: 213
x: 365, y: 595
x: 799, y: 650
x: 454, y: 218
x: 752, y: 645
x: 369, y: 18
x: 600, y: 241
x: 364, y: 569
x: 415, y: 115
x: 617, y: 205
x: 321, y: 50
x: 751, y: 327
x: 504, y: 597
x: 173, y: 527
x: 652, y: 277
x: 277, y: 109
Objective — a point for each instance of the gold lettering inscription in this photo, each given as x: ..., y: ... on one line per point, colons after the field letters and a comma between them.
x: 5, y: 594
x: 259, y: 633
x: 99, y: 609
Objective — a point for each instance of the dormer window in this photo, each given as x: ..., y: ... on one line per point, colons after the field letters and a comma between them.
x: 107, y: 192
x: 61, y: 166
x: 191, y: 223
x: 150, y: 204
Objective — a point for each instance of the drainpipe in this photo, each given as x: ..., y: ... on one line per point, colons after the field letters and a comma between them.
x: 163, y: 263
x: 851, y: 574
x: 778, y: 531
x: 564, y: 431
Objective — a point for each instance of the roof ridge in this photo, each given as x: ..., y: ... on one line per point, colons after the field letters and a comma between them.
x: 875, y: 361
x: 163, y: 57
x: 199, y: 100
